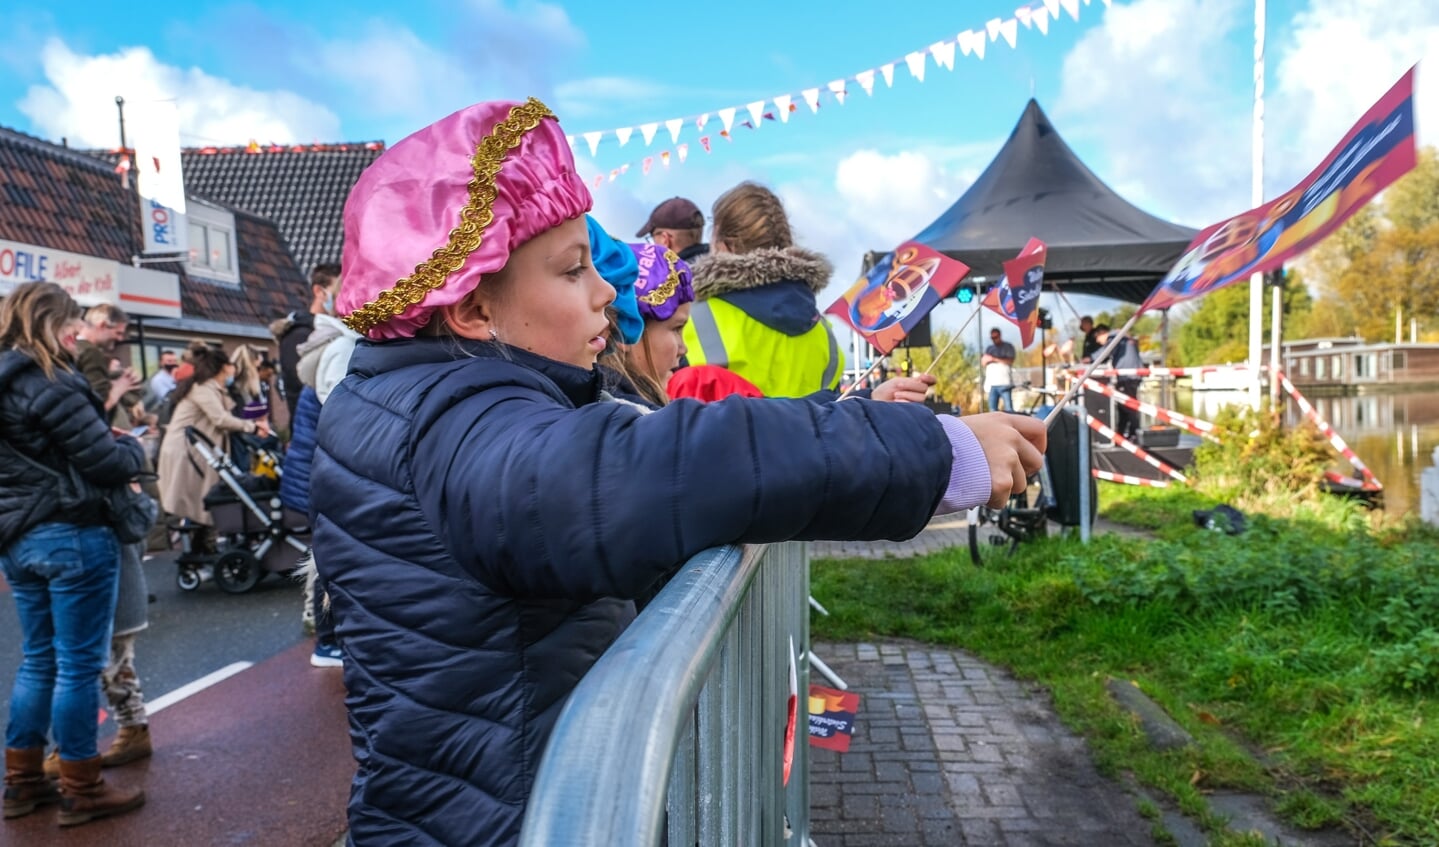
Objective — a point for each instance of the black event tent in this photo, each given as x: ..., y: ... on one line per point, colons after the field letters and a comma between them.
x: 1036, y: 186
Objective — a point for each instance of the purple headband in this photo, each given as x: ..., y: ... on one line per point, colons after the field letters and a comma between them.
x: 664, y: 284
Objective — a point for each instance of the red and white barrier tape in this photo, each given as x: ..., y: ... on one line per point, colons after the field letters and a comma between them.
x: 1139, y: 452
x: 1371, y: 482
x: 1206, y: 369
x: 1179, y: 419
x: 1128, y: 480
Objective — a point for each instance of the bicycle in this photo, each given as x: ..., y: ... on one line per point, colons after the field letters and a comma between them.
x: 995, y: 534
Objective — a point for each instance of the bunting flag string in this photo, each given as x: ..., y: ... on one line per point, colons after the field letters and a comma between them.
x: 1035, y: 15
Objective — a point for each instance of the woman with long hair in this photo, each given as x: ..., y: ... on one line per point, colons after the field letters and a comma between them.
x: 202, y: 402
x: 58, y: 460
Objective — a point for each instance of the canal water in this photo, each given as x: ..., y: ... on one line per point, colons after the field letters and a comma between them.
x: 1394, y: 434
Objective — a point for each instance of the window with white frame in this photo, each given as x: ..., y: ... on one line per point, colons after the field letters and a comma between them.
x: 212, y: 243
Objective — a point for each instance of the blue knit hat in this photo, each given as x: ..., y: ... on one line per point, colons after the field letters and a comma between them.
x: 617, y: 263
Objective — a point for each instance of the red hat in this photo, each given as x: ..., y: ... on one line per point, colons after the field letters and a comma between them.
x: 674, y: 213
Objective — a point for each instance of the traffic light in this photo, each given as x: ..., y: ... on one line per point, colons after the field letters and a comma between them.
x: 1276, y: 277
x: 1045, y: 322
x: 965, y: 294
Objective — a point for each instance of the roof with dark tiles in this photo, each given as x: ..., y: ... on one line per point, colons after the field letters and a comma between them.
x: 302, y: 188
x: 55, y: 197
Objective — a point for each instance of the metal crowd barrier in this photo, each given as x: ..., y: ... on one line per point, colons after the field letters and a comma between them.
x: 677, y: 734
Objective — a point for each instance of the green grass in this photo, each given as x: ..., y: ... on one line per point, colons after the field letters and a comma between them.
x: 1311, y: 643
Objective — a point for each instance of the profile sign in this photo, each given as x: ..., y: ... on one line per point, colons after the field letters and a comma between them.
x: 162, y: 185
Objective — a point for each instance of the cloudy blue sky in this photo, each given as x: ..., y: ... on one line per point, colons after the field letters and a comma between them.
x: 1154, y: 94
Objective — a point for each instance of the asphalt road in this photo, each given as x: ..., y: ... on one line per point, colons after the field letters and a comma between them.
x: 192, y: 633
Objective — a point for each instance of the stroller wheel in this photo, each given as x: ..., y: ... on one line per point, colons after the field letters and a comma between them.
x: 188, y: 579
x: 237, y: 571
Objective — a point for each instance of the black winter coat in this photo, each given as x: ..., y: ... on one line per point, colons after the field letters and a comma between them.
x: 59, y: 423
x: 481, y: 522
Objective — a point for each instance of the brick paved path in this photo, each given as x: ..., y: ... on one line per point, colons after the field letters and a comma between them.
x: 942, y: 533
x: 951, y: 751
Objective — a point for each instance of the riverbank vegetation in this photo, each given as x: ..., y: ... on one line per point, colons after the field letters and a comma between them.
x: 1302, y: 654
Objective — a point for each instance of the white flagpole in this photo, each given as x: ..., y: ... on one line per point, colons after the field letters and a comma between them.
x: 1256, y: 281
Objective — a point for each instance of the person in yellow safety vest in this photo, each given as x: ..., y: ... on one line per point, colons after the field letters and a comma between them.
x: 755, y: 311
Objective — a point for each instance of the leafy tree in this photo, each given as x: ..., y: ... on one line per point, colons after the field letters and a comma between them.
x: 958, y: 374
x: 1218, y: 330
x: 1383, y: 261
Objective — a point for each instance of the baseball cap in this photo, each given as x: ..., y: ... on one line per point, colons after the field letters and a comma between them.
x: 674, y: 213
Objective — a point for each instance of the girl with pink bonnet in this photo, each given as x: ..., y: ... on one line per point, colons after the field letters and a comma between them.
x: 471, y: 497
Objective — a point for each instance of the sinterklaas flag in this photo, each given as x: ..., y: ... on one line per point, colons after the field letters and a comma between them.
x: 890, y: 301
x: 1019, y: 304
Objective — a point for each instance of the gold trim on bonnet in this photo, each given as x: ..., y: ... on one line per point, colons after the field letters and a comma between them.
x: 475, y: 218
x: 667, y: 288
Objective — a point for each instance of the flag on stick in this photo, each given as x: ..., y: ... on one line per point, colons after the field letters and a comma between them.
x: 1377, y: 150
x: 1018, y: 302
x: 889, y: 301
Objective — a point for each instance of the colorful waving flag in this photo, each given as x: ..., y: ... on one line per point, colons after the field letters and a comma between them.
x: 1019, y: 304
x: 1378, y: 150
x: 890, y: 301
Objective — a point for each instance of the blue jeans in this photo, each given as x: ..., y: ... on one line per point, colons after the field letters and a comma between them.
x: 1005, y: 391
x: 64, y: 579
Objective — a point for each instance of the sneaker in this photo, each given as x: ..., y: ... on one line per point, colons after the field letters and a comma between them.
x: 327, y: 656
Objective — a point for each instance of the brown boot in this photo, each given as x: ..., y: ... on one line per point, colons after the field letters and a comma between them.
x: 130, y: 744
x: 26, y: 785
x: 85, y: 797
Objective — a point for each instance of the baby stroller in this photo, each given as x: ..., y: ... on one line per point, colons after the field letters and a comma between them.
x: 254, y: 534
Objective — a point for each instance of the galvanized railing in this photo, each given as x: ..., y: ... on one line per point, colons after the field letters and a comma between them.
x: 679, y: 728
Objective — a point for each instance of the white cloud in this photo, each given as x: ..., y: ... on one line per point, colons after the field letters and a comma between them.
x: 79, y: 101
x: 1339, y: 56
x: 392, y: 70
x: 1159, y: 88
x: 594, y: 95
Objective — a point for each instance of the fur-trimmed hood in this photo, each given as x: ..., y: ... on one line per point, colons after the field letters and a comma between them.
x: 725, y: 273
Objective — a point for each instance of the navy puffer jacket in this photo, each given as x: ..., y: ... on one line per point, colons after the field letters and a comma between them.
x: 59, y: 423
x: 295, y: 484
x: 480, y: 522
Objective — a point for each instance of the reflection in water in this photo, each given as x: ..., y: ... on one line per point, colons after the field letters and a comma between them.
x: 1394, y: 434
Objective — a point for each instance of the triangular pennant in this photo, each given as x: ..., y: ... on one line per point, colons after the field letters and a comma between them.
x: 1072, y: 7
x: 648, y: 132
x: 648, y: 163
x: 725, y: 134
x: 756, y: 110
x: 811, y: 98
x: 684, y: 151
x: 625, y: 168
x: 866, y: 81
x: 1053, y: 7
x: 769, y: 116
x: 749, y: 124
x: 979, y: 44
x: 783, y: 102
x: 1041, y: 20
x: 705, y: 142
x: 1010, y: 30
x: 727, y: 118
x: 614, y: 174
x: 665, y: 158
x: 965, y: 40
x: 915, y: 61
x: 838, y: 90
x: 624, y: 135
x: 1022, y: 15
x: 887, y: 71
x: 599, y: 180
x: 991, y: 26
x: 701, y: 121
x: 674, y: 127
x: 943, y: 53
x: 1106, y: 4
x: 593, y: 139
